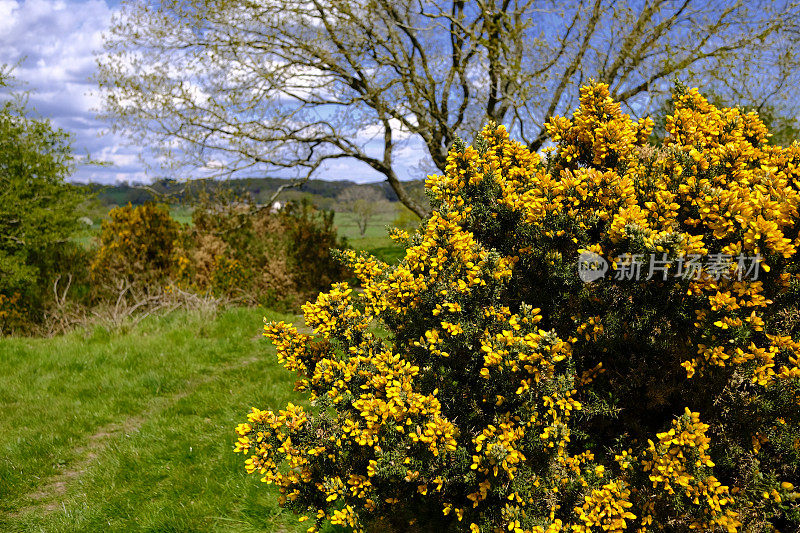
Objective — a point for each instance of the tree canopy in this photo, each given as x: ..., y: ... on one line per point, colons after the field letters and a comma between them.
x: 37, y: 207
x: 292, y: 85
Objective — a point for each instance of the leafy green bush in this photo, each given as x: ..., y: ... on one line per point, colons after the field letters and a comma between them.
x: 512, y: 394
x: 311, y: 236
x: 39, y: 213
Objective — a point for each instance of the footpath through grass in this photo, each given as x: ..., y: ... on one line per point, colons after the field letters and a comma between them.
x: 133, y: 431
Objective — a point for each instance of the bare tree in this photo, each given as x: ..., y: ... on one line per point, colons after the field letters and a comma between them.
x: 292, y: 85
x: 364, y: 202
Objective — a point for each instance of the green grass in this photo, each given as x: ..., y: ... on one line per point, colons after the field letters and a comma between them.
x: 86, y: 236
x: 381, y: 247
x: 182, y: 213
x: 375, y: 239
x: 376, y: 227
x: 133, y: 431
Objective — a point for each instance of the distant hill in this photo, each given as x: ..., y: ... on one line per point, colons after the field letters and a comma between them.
x: 260, y: 190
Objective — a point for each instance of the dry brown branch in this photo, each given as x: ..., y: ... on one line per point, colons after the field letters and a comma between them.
x: 63, y: 315
x: 134, y: 303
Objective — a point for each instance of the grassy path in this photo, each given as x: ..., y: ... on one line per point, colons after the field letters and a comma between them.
x: 134, y: 431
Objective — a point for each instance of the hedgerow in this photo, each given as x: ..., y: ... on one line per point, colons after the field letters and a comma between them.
x: 509, y: 394
x: 278, y: 259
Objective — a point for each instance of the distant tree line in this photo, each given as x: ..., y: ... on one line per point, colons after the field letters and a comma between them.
x: 258, y: 190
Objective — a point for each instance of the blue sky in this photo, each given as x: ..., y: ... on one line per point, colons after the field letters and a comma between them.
x: 52, y: 42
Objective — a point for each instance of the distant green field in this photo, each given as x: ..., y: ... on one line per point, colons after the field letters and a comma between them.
x: 376, y: 238
x: 181, y: 213
x: 376, y: 228
x: 134, y: 431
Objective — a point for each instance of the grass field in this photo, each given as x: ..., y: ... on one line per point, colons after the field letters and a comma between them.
x: 133, y: 431
x: 375, y: 240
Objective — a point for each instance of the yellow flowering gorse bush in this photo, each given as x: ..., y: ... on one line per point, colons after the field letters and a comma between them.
x: 137, y: 243
x: 510, y: 395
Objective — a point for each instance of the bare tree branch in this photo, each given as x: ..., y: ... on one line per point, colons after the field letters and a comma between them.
x: 290, y: 87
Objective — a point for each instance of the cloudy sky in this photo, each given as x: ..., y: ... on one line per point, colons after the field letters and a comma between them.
x: 52, y: 43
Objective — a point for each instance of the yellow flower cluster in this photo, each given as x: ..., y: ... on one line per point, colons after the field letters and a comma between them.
x: 506, y: 394
x: 606, y: 509
x: 599, y: 133
x: 679, y: 461
x: 227, y: 273
x: 8, y: 305
x: 137, y: 243
x: 11, y: 312
x: 496, y: 449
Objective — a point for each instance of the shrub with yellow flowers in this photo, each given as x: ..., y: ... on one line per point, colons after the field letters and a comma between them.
x: 602, y: 338
x: 137, y: 244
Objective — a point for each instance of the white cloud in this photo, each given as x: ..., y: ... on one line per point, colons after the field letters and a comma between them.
x: 52, y: 43
x: 6, y: 9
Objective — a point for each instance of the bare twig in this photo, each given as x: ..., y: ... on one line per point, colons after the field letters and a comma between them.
x: 320, y: 81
